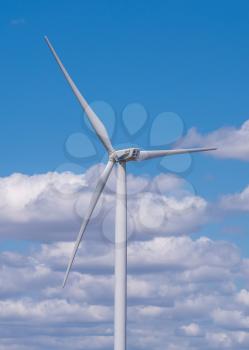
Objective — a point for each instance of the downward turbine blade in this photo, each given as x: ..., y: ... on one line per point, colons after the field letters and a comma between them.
x: 98, y: 190
x: 144, y: 155
x: 93, y: 118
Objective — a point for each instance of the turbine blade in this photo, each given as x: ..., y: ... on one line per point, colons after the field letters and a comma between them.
x: 98, y: 190
x: 144, y: 155
x: 96, y: 123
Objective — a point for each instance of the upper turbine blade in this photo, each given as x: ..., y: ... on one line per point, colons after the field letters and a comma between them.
x: 93, y: 118
x: 98, y: 190
x: 144, y: 155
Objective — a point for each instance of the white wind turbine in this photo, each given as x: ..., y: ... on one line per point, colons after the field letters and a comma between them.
x: 118, y: 158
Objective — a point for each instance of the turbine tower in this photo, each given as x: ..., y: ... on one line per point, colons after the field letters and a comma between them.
x: 117, y: 158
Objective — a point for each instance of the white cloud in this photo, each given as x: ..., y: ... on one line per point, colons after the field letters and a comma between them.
x: 232, y: 142
x: 177, y: 295
x: 237, y: 202
x: 219, y: 340
x: 55, y: 311
x: 243, y: 297
x: 48, y: 207
x: 231, y: 319
x: 192, y: 330
x: 179, y: 289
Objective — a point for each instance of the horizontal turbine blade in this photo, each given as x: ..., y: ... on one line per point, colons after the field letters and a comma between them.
x: 96, y: 123
x: 144, y: 155
x: 98, y: 190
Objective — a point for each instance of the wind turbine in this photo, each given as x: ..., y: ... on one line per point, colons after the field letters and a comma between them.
x: 119, y: 158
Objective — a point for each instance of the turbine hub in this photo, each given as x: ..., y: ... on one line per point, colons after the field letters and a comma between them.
x: 125, y: 155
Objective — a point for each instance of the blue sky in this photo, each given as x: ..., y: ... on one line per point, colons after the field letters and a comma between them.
x: 192, y: 60
x: 188, y: 58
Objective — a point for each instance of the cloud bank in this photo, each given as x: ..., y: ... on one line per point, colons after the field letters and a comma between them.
x: 232, y: 143
x: 182, y: 293
x: 50, y: 207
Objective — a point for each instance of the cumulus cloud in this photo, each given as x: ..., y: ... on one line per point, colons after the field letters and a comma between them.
x: 236, y: 202
x: 50, y: 206
x: 178, y: 293
x: 231, y: 319
x: 243, y: 297
x: 232, y: 142
x: 191, y: 330
x: 227, y: 340
x: 179, y: 288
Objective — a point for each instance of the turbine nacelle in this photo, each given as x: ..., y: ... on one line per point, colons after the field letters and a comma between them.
x: 125, y: 155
